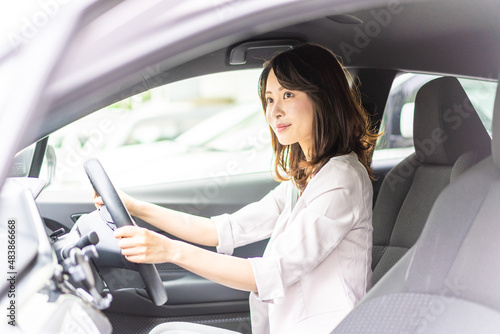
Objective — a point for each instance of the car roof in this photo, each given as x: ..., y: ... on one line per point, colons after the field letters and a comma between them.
x: 117, y: 49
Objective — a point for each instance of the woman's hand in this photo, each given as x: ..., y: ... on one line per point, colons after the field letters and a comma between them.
x: 128, y: 201
x: 141, y: 245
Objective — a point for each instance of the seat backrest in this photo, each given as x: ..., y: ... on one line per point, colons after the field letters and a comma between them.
x: 449, y: 138
x: 448, y: 282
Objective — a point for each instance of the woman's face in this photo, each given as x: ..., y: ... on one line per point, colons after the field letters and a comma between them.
x: 290, y: 114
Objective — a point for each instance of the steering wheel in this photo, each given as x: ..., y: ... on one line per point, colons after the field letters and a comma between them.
x: 121, y: 217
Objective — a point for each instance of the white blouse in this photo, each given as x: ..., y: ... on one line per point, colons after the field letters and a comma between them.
x: 317, y: 263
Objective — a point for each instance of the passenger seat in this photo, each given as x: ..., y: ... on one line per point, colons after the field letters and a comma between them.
x: 449, y: 138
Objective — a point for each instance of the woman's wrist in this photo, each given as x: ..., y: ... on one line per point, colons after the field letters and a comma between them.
x: 135, y: 207
x: 174, y: 251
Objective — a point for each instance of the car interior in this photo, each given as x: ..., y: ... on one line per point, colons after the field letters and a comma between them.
x: 435, y: 211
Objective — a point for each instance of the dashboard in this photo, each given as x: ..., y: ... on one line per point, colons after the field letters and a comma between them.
x: 51, y: 284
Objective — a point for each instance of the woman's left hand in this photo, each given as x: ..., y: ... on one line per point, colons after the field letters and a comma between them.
x: 141, y: 245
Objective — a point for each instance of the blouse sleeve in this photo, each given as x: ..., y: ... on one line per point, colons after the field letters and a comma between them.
x: 314, y: 233
x: 252, y: 223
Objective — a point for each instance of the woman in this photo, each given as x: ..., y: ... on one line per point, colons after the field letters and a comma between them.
x: 317, y: 263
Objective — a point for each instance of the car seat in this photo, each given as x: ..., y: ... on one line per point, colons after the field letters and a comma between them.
x: 449, y: 138
x: 448, y: 281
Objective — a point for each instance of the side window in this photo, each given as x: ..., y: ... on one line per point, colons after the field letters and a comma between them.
x: 209, y: 126
x: 396, y: 141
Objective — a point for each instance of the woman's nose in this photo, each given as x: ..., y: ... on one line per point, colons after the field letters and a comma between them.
x: 276, y: 111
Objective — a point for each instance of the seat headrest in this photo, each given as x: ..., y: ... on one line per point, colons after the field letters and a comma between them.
x: 446, y: 125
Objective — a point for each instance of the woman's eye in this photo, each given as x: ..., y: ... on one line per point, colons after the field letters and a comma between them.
x: 269, y: 100
x: 288, y: 95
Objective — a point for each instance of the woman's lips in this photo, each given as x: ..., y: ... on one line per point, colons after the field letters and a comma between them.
x: 282, y: 127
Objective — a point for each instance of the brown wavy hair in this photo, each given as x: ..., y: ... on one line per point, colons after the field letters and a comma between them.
x: 340, y: 123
